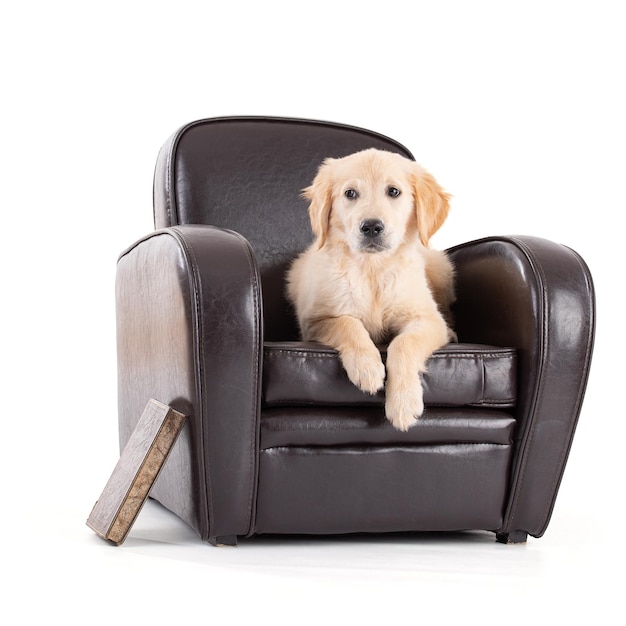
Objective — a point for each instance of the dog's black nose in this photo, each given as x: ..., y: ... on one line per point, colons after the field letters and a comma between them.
x: 372, y: 228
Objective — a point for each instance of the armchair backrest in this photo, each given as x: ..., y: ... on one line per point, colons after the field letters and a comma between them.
x: 246, y: 174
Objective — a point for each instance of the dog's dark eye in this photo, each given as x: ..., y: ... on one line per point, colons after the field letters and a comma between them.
x: 393, y: 192
x: 351, y: 194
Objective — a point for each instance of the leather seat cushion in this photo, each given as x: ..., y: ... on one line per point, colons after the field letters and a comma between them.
x: 310, y: 374
x: 367, y: 426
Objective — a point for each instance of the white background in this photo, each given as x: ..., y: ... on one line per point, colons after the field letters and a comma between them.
x: 516, y: 107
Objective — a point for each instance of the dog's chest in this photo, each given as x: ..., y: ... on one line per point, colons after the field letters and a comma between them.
x: 373, y: 297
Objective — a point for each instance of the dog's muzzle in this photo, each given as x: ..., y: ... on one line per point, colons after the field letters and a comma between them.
x: 372, y: 235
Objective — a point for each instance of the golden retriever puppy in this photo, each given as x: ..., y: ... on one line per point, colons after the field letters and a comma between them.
x: 370, y: 278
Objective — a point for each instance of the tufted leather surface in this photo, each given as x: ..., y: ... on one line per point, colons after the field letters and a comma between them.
x: 307, y: 373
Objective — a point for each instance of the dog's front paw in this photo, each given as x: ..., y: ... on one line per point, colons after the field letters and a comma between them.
x: 403, y: 408
x: 365, y: 370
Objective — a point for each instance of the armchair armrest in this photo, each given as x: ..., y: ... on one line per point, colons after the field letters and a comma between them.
x: 189, y: 328
x: 538, y: 297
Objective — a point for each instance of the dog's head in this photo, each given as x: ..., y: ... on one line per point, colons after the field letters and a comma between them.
x: 373, y: 201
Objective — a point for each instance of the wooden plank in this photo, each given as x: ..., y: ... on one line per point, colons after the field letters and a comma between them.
x: 136, y: 472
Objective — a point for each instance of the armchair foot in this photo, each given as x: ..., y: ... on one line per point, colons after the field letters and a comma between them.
x: 516, y: 536
x: 226, y: 540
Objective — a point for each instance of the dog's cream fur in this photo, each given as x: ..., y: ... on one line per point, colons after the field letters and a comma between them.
x: 353, y: 292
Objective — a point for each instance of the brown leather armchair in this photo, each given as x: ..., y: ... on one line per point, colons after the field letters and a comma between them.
x: 278, y: 440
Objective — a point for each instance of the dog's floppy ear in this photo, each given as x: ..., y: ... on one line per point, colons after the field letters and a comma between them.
x: 320, y: 196
x: 432, y: 204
